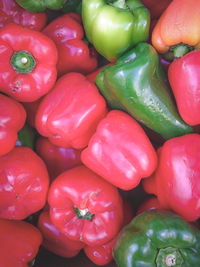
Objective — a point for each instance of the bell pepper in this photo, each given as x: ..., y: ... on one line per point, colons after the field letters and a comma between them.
x: 176, y: 179
x: 150, y: 203
x: 102, y: 255
x: 27, y: 64
x: 41, y: 5
x: 158, y: 238
x: 27, y: 136
x: 85, y: 207
x: 113, y: 27
x: 62, y: 118
x: 57, y: 159
x: 55, y: 241
x: 178, y: 29
x: 10, y: 11
x: 74, y: 54
x: 92, y: 76
x: 184, y: 78
x: 156, y: 7
x: 138, y: 85
x: 12, y: 119
x: 31, y: 110
x: 24, y: 183
x: 72, y: 6
x: 20, y: 242
x: 120, y: 151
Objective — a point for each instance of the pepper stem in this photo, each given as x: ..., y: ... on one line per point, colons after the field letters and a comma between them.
x: 181, y: 49
x: 169, y: 257
x: 83, y: 214
x: 118, y: 3
x: 23, y: 62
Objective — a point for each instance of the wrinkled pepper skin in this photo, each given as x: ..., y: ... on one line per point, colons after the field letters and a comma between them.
x: 12, y: 119
x: 72, y: 6
x: 120, y: 151
x: 10, y: 11
x: 174, y: 28
x: 74, y: 54
x: 138, y: 85
x: 54, y: 240
x: 184, y: 78
x: 102, y: 255
x: 62, y: 118
x: 176, y: 179
x: 24, y: 183
x: 27, y: 64
x: 85, y: 207
x: 20, y: 242
x: 158, y: 238
x: 57, y: 159
x: 156, y: 7
x: 41, y: 5
x: 104, y: 21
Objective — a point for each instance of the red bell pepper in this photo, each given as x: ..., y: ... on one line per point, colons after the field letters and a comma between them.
x: 150, y: 203
x: 74, y: 54
x: 85, y: 207
x: 31, y: 110
x: 102, y: 255
x: 177, y: 177
x: 69, y: 114
x: 57, y: 159
x: 184, y: 78
x: 24, y: 183
x: 120, y: 151
x: 92, y: 76
x: 12, y: 119
x: 20, y: 242
x: 156, y: 7
x: 10, y: 11
x: 55, y: 241
x: 27, y: 64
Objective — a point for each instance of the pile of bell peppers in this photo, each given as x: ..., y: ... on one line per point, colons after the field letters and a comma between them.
x: 100, y: 132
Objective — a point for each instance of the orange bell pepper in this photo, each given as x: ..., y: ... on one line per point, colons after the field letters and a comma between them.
x: 178, y: 24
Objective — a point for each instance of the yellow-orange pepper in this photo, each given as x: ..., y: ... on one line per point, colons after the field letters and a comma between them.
x: 178, y: 24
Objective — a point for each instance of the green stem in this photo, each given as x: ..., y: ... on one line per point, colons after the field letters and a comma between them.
x: 83, y: 214
x: 23, y: 62
x: 169, y: 257
x: 118, y: 3
x: 180, y: 50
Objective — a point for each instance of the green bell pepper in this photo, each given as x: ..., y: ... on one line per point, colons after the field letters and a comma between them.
x: 72, y: 6
x: 41, y: 5
x: 158, y: 238
x: 115, y: 26
x: 138, y: 85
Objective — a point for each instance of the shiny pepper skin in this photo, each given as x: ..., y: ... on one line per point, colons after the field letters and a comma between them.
x: 10, y: 11
x: 12, y: 119
x: 70, y: 113
x: 28, y: 61
x: 120, y: 151
x: 20, y: 242
x: 54, y: 240
x: 74, y: 54
x: 176, y: 181
x: 85, y: 207
x: 24, y: 183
